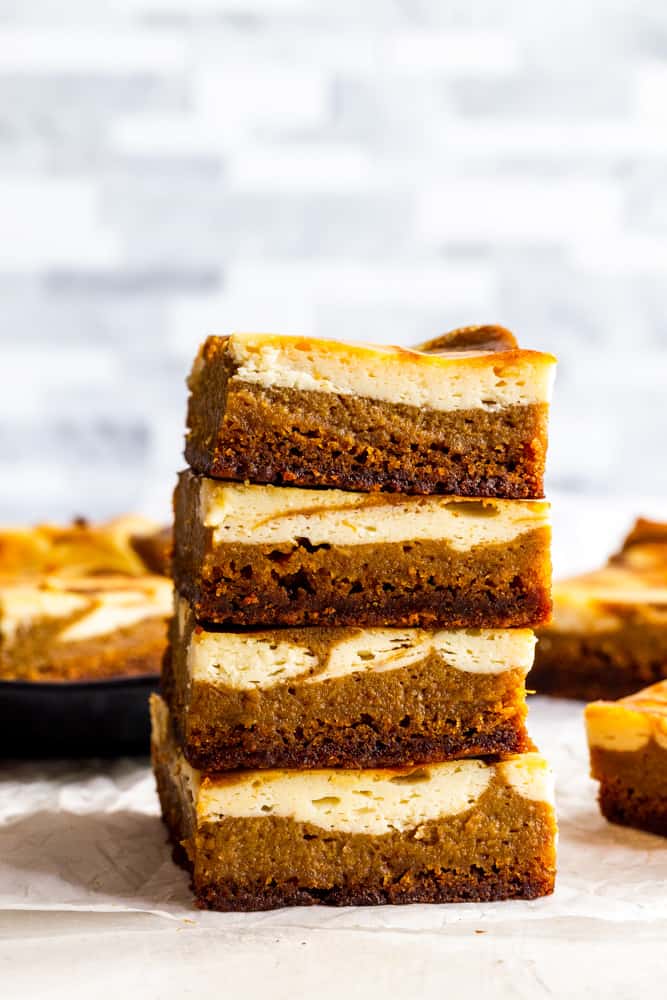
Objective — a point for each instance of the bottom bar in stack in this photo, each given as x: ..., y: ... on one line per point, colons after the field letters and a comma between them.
x: 452, y: 832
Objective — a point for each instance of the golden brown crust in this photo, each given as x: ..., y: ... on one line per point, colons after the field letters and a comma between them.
x: 630, y: 720
x: 632, y: 578
x: 216, y: 344
x: 651, y: 701
x: 471, y: 338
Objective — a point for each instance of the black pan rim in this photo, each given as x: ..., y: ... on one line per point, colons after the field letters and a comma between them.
x: 136, y: 680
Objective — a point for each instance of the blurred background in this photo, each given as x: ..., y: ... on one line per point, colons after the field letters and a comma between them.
x: 379, y: 171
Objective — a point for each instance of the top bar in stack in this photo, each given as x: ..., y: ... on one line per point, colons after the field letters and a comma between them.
x: 465, y: 414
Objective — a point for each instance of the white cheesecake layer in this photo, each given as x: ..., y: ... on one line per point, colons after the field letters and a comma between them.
x: 446, y: 382
x: 121, y: 610
x: 372, y: 801
x: 102, y: 605
x: 21, y: 605
x: 247, y: 661
x: 275, y: 514
x: 629, y: 724
x: 244, y: 663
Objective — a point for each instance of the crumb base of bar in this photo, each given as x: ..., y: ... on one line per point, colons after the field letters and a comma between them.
x: 623, y: 806
x: 297, y: 437
x: 446, y: 609
x: 477, y: 886
x: 606, y: 666
x: 396, y: 749
x: 429, y: 887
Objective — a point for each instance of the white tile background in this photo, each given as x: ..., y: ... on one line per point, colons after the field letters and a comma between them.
x: 378, y: 170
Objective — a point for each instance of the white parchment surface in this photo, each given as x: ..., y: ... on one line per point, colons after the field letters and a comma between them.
x: 89, y: 897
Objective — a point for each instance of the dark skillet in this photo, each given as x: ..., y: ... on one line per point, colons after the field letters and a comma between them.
x: 101, y: 718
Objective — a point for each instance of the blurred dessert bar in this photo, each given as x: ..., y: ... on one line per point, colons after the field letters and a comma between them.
x: 79, y: 603
x: 154, y: 549
x: 608, y: 636
x: 449, y: 832
x: 353, y: 697
x: 81, y: 548
x: 255, y: 555
x: 628, y: 748
x: 83, y: 628
x: 465, y: 414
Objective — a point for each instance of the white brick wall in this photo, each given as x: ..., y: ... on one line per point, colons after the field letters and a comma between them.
x: 377, y: 171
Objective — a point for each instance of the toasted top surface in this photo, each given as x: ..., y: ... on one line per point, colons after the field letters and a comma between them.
x: 479, y: 367
x: 628, y: 724
x: 635, y: 577
x: 79, y: 549
x: 476, y: 345
x: 470, y: 338
x: 652, y: 699
x: 642, y: 532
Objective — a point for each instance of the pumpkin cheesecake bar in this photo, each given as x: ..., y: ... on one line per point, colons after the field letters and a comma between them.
x: 608, y: 636
x: 628, y: 748
x: 449, y: 832
x: 270, y: 555
x: 465, y: 414
x: 77, y: 601
x: 81, y: 548
x: 351, y: 697
x: 62, y: 628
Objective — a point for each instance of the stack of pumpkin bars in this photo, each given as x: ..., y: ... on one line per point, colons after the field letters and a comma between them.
x: 360, y: 553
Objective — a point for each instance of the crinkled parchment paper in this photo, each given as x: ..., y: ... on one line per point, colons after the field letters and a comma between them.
x: 89, y: 896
